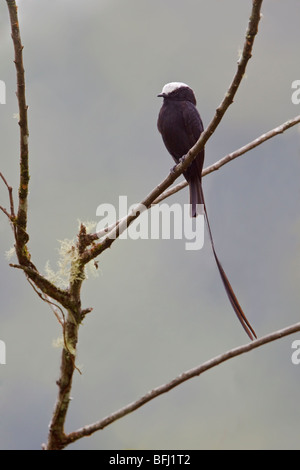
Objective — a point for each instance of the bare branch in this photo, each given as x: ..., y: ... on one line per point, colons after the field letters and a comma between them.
x: 21, y: 223
x: 5, y: 212
x: 10, y: 194
x: 56, y: 437
x: 195, y: 372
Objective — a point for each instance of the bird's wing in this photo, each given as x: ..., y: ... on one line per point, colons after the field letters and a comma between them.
x: 192, y: 121
x: 194, y: 128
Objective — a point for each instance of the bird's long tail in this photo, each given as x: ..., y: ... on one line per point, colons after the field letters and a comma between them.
x: 197, y: 197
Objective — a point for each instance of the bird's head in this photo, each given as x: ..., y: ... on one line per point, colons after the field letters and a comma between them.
x: 178, y: 91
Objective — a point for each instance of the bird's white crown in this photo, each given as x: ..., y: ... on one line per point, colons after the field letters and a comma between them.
x: 169, y: 87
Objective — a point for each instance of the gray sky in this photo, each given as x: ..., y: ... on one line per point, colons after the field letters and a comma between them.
x: 93, y: 71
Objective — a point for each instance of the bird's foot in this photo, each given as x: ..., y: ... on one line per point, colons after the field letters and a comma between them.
x: 181, y: 160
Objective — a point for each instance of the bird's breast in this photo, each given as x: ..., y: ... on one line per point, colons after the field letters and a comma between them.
x: 172, y: 126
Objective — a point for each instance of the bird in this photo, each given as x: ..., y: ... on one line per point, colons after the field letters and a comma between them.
x: 180, y: 126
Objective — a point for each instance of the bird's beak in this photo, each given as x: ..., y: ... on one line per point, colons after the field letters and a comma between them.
x: 161, y: 95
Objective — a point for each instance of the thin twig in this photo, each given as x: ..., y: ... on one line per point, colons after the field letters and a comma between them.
x: 5, y: 212
x: 11, y: 199
x: 61, y: 319
x: 195, y: 372
x: 231, y: 156
x: 61, y: 296
x: 11, y: 216
x: 53, y: 306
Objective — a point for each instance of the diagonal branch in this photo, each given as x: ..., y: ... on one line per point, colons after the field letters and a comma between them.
x: 195, y: 372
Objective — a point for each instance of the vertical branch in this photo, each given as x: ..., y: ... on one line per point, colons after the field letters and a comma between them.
x: 57, y: 438
x: 56, y: 433
x: 21, y: 222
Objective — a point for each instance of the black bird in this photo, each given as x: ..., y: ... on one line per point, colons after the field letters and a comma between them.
x: 180, y: 125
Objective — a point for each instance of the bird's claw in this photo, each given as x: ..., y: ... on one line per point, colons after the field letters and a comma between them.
x: 181, y: 160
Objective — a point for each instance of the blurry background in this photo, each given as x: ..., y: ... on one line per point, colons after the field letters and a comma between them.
x: 93, y: 71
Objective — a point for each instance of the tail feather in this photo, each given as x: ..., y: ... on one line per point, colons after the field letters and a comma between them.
x: 196, y: 195
x: 234, y: 301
